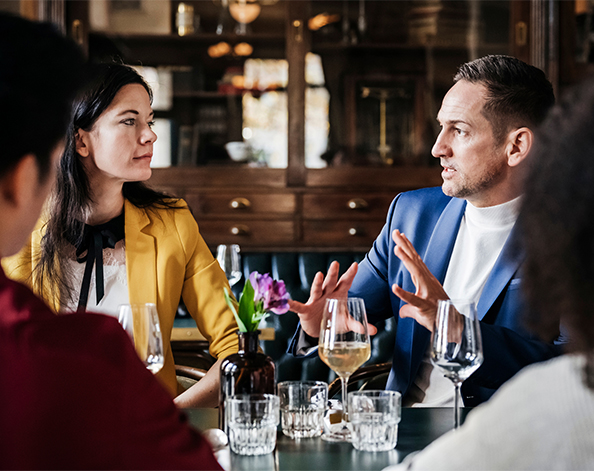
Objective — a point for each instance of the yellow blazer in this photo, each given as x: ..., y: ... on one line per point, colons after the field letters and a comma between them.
x: 166, y: 259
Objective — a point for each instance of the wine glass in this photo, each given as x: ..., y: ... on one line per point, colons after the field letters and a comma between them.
x: 141, y: 322
x: 456, y: 344
x: 344, y: 346
x: 229, y: 258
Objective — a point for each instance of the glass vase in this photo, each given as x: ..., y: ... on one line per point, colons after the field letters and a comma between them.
x: 246, y: 372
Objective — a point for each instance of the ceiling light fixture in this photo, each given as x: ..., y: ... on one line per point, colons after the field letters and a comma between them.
x: 244, y: 12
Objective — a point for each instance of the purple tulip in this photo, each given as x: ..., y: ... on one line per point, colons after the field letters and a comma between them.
x: 261, y: 285
x: 273, y: 294
x: 277, y: 298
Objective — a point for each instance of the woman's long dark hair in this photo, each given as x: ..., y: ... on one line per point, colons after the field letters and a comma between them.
x: 557, y: 222
x: 72, y: 195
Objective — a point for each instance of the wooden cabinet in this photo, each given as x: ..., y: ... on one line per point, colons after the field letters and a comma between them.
x: 359, y: 205
x: 241, y: 204
x: 248, y: 233
x: 245, y: 217
x: 341, y: 232
x: 334, y: 209
x: 344, y: 218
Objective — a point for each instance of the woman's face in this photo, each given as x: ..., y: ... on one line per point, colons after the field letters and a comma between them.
x: 119, y: 147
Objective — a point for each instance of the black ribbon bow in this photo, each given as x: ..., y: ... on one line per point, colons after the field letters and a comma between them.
x: 94, y: 240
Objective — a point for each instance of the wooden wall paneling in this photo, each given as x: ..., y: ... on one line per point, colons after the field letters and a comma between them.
x: 77, y: 23
x: 569, y: 72
x: 298, y: 43
x: 520, y: 30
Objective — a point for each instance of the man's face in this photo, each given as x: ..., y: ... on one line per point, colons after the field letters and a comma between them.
x: 474, y: 164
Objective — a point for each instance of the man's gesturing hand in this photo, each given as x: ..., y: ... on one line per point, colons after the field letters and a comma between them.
x: 322, y: 288
x: 422, y: 305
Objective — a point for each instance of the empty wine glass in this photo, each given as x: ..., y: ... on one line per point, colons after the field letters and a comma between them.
x: 141, y: 322
x: 456, y: 344
x: 229, y: 258
x: 344, y: 346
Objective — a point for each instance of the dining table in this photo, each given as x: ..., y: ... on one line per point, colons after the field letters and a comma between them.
x: 418, y: 427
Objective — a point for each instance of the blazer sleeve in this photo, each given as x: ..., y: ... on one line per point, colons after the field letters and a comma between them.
x: 372, y: 280
x: 203, y: 289
x: 506, y: 352
x: 20, y: 267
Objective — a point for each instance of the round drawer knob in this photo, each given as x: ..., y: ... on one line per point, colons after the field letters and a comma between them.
x: 357, y: 203
x: 239, y: 203
x: 240, y: 230
x: 353, y: 231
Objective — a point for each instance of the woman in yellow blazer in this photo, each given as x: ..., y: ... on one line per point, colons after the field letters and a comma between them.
x: 110, y: 240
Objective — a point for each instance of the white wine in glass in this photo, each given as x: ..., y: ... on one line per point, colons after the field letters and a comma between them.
x: 141, y: 322
x: 344, y: 346
x: 229, y: 258
x: 456, y: 344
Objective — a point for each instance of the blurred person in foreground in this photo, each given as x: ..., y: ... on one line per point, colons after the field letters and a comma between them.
x: 73, y: 392
x: 544, y: 417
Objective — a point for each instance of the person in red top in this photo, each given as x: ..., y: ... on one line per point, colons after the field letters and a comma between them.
x: 73, y: 393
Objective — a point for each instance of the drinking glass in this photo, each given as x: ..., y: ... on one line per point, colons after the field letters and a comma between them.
x: 456, y: 345
x: 344, y: 346
x: 302, y: 405
x: 252, y: 420
x: 229, y: 258
x: 374, y: 419
x: 141, y: 322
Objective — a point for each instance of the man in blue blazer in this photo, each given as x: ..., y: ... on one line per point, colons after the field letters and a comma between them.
x: 457, y: 241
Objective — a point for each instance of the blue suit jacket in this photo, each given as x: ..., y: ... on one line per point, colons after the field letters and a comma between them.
x: 431, y: 221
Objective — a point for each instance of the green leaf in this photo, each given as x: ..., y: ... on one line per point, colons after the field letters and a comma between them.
x: 246, y: 307
x: 260, y: 317
x: 233, y: 306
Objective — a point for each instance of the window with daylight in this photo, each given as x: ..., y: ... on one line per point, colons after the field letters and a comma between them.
x: 265, y: 112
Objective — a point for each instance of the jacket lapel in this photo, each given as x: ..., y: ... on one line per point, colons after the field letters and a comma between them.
x: 511, y: 257
x: 440, y: 246
x: 140, y: 256
x: 437, y: 258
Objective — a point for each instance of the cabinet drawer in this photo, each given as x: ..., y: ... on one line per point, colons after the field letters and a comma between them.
x: 341, y: 233
x: 346, y: 205
x: 226, y: 204
x: 247, y: 232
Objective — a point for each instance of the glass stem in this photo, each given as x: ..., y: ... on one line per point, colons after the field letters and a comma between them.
x: 457, y: 385
x: 344, y: 381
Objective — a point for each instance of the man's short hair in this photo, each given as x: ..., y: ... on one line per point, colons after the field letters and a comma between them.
x: 40, y: 72
x: 518, y: 94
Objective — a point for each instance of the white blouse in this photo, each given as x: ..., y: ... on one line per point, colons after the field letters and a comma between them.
x: 115, y: 281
